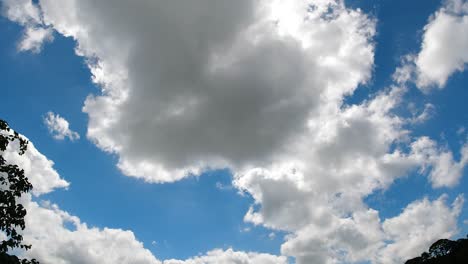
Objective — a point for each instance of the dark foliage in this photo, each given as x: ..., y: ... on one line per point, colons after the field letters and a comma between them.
x: 13, y: 183
x: 444, y: 251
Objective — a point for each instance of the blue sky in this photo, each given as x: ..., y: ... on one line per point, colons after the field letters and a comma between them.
x: 197, y: 208
x: 188, y: 216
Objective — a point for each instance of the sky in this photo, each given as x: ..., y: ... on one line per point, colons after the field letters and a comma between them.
x: 249, y: 131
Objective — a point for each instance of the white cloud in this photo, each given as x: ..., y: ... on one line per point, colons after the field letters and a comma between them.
x: 345, y: 240
x: 419, y: 117
x: 318, y: 197
x: 195, y: 86
x: 405, y: 73
x: 444, y: 170
x: 230, y: 256
x: 445, y: 45
x: 53, y: 242
x: 24, y: 12
x: 272, y: 235
x: 61, y: 238
x: 444, y: 49
x: 419, y: 225
x: 258, y: 86
x: 37, y: 168
x: 27, y: 14
x: 34, y: 38
x: 59, y: 127
x: 48, y: 231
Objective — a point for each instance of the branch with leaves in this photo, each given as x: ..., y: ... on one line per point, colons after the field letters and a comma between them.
x: 13, y: 184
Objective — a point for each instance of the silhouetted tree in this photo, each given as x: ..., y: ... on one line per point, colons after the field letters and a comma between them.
x: 444, y: 251
x: 13, y: 183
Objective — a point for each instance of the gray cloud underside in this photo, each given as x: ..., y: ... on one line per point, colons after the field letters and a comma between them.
x: 258, y: 87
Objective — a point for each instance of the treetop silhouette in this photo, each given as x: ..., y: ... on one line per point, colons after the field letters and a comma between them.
x: 13, y: 184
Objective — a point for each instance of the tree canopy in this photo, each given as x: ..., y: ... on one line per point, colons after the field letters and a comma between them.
x: 444, y: 251
x: 13, y: 184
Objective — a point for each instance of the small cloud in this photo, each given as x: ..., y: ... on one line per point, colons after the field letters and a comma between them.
x: 406, y: 71
x: 223, y: 187
x: 34, y: 38
x: 59, y: 127
x: 245, y: 229
x: 419, y: 117
x: 465, y: 222
x: 461, y: 130
x: 272, y: 235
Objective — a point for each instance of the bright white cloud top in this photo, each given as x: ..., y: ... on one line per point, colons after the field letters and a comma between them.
x: 445, y: 45
x: 59, y: 127
x: 444, y: 48
x: 257, y: 87
x: 25, y: 13
x: 48, y: 228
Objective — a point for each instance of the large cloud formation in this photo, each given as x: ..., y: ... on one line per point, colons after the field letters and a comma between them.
x: 258, y: 87
x: 318, y: 197
x: 54, y: 242
x: 189, y: 86
x: 61, y: 238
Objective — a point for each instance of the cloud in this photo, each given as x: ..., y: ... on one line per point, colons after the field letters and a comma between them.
x: 34, y: 38
x: 27, y: 14
x: 318, y: 196
x: 258, y: 87
x: 418, y: 118
x: 418, y: 226
x: 58, y: 237
x: 54, y: 243
x: 345, y: 240
x: 364, y: 237
x: 202, y: 85
x: 230, y: 256
x: 37, y: 168
x: 59, y: 127
x: 444, y: 170
x: 443, y: 51
x: 445, y: 44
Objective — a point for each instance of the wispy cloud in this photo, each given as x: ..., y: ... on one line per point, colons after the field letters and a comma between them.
x: 59, y: 127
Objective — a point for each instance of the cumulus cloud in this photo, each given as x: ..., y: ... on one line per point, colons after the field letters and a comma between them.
x: 230, y: 256
x: 418, y: 226
x: 444, y: 49
x: 258, y: 87
x: 37, y: 168
x: 445, y: 171
x: 58, y: 237
x: 445, y: 44
x: 48, y: 230
x: 318, y: 195
x: 53, y: 242
x: 27, y: 14
x: 34, y: 38
x: 59, y: 127
x: 188, y: 87
x: 363, y: 236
